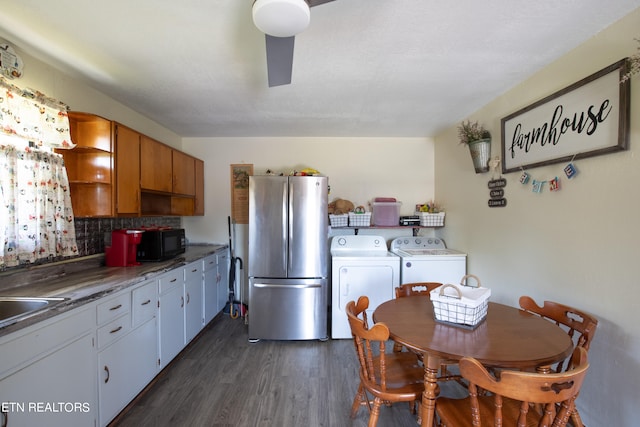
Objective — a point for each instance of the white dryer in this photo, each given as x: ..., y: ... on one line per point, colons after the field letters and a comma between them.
x: 427, y: 259
x: 360, y: 265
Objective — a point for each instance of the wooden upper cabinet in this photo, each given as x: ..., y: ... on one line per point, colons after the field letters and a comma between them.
x: 198, y: 208
x: 155, y: 165
x: 117, y: 171
x: 127, y: 171
x: 90, y: 165
x: 90, y: 131
x: 184, y: 181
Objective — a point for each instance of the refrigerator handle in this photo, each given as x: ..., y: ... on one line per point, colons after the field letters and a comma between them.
x: 285, y: 224
x: 283, y: 286
x: 288, y: 224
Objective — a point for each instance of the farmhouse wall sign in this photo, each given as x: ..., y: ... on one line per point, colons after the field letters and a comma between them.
x: 588, y: 118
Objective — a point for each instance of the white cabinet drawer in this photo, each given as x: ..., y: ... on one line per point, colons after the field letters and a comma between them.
x: 114, y: 330
x: 34, y: 342
x: 145, y: 303
x: 193, y: 271
x: 171, y: 280
x: 209, y: 263
x: 114, y: 307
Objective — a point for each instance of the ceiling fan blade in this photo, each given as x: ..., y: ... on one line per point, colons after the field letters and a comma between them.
x: 317, y: 2
x: 279, y: 59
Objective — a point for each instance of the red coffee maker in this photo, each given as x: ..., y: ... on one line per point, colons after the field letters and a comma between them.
x: 123, y: 248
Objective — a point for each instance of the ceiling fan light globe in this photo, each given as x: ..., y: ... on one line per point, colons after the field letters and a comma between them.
x: 281, y: 18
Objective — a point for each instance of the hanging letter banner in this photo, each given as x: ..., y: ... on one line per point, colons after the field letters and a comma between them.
x: 588, y: 118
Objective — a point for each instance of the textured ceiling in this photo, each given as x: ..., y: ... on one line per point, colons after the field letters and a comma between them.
x: 362, y: 68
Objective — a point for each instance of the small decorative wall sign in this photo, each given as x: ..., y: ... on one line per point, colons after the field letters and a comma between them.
x: 590, y: 117
x: 536, y: 187
x: 570, y: 170
x: 240, y: 174
x: 554, y: 184
x: 10, y: 62
x: 496, y: 193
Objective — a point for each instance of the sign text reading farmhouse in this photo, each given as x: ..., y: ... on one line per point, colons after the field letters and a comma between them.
x: 550, y: 132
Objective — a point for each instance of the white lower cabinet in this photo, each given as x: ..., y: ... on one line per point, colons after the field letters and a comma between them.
x: 210, y: 287
x: 223, y: 278
x: 127, y: 348
x: 171, y: 315
x: 194, y: 303
x: 125, y: 368
x: 54, y: 382
x: 82, y: 367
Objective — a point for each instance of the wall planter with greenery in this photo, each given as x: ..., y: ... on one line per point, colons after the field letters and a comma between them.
x: 478, y: 139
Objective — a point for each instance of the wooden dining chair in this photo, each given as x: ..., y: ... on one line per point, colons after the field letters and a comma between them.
x: 424, y: 289
x: 388, y: 377
x: 580, y: 326
x: 417, y: 288
x: 410, y: 290
x: 515, y: 396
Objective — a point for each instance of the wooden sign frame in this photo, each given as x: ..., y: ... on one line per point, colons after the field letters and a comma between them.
x: 588, y: 118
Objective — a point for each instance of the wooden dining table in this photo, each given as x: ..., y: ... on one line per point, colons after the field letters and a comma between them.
x: 508, y: 338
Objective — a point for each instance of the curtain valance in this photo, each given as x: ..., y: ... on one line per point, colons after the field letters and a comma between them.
x: 29, y: 116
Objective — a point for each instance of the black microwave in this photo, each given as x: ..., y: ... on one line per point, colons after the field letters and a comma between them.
x: 161, y: 244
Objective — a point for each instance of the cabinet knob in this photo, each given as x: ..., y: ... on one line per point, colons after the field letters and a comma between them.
x: 106, y: 369
x: 113, y: 331
x: 116, y: 307
x: 181, y: 302
x: 146, y: 302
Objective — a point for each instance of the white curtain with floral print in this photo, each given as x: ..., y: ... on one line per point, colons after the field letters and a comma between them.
x: 36, y: 217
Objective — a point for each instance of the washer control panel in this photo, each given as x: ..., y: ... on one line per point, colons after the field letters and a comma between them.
x: 400, y: 243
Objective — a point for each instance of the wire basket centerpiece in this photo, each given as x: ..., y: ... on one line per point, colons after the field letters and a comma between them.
x: 464, y: 306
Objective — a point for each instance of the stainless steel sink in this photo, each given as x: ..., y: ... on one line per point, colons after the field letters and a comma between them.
x: 12, y: 308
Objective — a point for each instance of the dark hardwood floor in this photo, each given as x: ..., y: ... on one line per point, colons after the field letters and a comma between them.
x: 223, y: 380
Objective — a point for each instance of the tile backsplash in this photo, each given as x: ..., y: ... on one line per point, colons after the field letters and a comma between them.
x: 90, y: 231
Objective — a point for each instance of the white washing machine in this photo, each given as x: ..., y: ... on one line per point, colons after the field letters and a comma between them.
x: 360, y: 265
x: 427, y: 259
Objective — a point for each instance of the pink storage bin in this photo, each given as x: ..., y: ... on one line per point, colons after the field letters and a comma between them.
x: 386, y: 213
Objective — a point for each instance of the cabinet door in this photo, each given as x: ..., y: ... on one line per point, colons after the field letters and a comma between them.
x: 210, y: 288
x: 125, y: 368
x: 171, y: 316
x: 199, y: 183
x: 194, y: 317
x: 184, y: 181
x: 155, y: 165
x: 58, y: 390
x: 223, y: 279
x: 127, y: 171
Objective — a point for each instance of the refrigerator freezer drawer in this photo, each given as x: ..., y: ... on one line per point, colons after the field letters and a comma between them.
x: 287, y: 309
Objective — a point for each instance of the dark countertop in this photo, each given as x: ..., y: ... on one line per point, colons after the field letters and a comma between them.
x: 84, y: 281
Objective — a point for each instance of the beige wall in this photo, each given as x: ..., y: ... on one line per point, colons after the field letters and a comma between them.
x: 579, y: 245
x: 359, y: 169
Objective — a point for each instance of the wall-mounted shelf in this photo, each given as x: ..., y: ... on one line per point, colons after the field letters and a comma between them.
x: 415, y: 228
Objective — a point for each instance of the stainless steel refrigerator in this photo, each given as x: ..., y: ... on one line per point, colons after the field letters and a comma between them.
x: 288, y: 257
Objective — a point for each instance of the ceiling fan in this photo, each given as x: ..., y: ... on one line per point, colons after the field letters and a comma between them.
x: 281, y: 20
